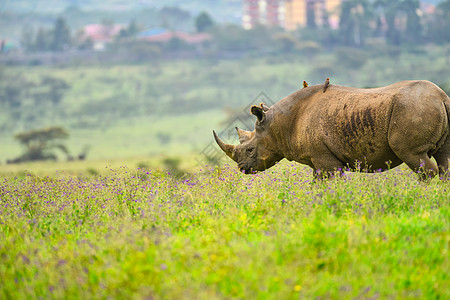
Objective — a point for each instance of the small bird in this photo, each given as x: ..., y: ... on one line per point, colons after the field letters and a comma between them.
x: 327, y: 83
x: 305, y: 84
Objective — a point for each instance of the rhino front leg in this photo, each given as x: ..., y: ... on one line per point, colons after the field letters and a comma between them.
x: 327, y: 166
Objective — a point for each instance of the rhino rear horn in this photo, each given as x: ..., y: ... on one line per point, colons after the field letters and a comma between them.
x: 228, y: 149
x: 244, y: 135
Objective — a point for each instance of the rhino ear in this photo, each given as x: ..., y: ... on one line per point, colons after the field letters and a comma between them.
x: 243, y: 135
x: 258, y: 112
x: 264, y: 107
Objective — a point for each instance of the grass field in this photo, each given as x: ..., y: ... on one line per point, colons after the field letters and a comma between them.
x: 136, y: 233
x: 118, y: 225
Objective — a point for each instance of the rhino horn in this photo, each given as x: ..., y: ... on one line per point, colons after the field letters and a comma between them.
x: 228, y: 149
x: 244, y: 135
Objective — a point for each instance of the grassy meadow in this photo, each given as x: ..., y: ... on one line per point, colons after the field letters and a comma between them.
x: 219, y: 234
x: 139, y: 219
x: 171, y: 107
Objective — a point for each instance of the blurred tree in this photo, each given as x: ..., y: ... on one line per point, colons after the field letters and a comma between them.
x: 309, y: 48
x: 12, y: 90
x: 350, y: 58
x: 174, y: 17
x: 27, y: 38
x: 176, y: 44
x: 56, y: 88
x: 414, y: 28
x: 203, y: 22
x: 129, y: 31
x: 311, y: 14
x: 231, y: 37
x: 439, y: 25
x: 141, y: 51
x: 39, y: 144
x: 354, y: 22
x: 61, y: 39
x: 285, y: 42
x: 43, y: 41
x: 258, y: 37
x: 390, y: 10
x: 11, y: 94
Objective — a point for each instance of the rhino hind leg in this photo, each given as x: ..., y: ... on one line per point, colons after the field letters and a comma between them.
x: 422, y: 165
x: 415, y: 156
x: 442, y: 156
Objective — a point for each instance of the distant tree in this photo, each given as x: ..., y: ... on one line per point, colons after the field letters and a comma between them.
x: 354, y: 22
x: 42, y: 41
x: 203, y: 22
x: 173, y: 17
x: 439, y: 25
x: 346, y: 23
x: 176, y: 44
x: 12, y: 90
x: 414, y: 28
x: 56, y: 88
x: 309, y: 48
x: 143, y: 51
x: 390, y: 10
x: 231, y: 37
x: 311, y: 14
x: 350, y: 58
x: 61, y: 38
x: 129, y: 31
x: 11, y: 95
x: 27, y: 38
x: 40, y: 144
x: 285, y: 42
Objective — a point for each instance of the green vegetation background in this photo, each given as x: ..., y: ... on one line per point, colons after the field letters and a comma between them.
x: 171, y: 107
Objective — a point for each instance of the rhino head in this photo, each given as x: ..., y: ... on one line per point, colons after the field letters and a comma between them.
x: 257, y: 149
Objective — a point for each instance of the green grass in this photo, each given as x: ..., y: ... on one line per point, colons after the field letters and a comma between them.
x: 135, y: 233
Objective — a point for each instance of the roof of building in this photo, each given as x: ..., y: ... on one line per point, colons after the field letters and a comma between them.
x: 101, y: 33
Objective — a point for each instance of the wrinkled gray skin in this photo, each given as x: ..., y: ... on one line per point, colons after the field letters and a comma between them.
x: 379, y: 128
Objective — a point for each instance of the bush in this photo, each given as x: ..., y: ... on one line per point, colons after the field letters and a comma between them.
x: 350, y: 57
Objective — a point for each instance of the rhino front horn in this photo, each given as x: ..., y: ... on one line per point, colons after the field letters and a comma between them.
x: 228, y: 149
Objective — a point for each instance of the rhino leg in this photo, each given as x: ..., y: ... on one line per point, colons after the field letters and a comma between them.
x: 426, y: 168
x: 416, y: 157
x: 327, y: 166
x: 442, y: 156
x: 417, y: 126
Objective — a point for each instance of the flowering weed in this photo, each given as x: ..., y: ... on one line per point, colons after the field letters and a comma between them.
x: 273, y: 235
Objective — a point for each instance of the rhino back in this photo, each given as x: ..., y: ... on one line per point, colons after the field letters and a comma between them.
x: 351, y: 123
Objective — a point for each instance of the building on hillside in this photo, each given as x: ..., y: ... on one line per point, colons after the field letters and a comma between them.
x: 323, y: 11
x: 100, y: 34
x: 264, y: 12
x: 290, y: 14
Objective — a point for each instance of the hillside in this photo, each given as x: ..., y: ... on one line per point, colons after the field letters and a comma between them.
x: 172, y: 107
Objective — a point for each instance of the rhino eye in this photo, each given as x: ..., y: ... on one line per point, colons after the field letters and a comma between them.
x: 250, y: 150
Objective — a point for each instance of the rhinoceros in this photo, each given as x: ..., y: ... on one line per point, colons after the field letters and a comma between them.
x: 346, y: 128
